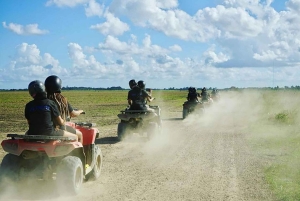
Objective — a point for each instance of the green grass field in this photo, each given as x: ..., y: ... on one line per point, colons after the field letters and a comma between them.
x: 272, y: 124
x: 101, y: 107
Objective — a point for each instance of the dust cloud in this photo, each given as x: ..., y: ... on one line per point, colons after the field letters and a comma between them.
x: 250, y: 111
x: 234, y: 110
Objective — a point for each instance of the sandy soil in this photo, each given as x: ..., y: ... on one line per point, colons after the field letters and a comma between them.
x: 193, y: 159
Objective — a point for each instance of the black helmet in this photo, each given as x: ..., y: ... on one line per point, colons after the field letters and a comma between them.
x: 53, y: 84
x: 203, y: 89
x: 192, y: 90
x: 36, y: 87
x: 132, y: 83
x: 141, y: 84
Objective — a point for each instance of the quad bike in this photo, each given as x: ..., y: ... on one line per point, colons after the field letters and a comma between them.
x: 191, y: 106
x: 61, y: 159
x: 139, y: 121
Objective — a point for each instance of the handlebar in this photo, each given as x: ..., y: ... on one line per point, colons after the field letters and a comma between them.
x: 76, y: 109
x: 85, y: 124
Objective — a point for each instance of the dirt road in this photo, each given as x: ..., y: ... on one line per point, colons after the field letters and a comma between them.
x: 191, y: 160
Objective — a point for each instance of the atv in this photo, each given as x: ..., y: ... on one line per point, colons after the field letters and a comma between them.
x: 61, y: 159
x: 191, y: 106
x: 139, y: 121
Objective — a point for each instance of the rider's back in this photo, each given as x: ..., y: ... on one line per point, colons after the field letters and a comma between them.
x: 204, y: 96
x: 192, y: 96
x: 135, y: 94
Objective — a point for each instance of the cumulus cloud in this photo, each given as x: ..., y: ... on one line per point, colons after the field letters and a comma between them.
x: 112, y: 26
x: 263, y: 33
x: 66, y: 3
x: 115, y: 46
x: 28, y: 63
x: 94, y: 9
x: 30, y: 29
x: 212, y: 57
x: 167, y: 4
x: 175, y: 48
x: 85, y: 65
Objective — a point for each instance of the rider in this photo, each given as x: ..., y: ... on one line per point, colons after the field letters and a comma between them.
x: 193, y: 95
x: 135, y: 97
x: 146, y: 95
x: 53, y: 87
x: 41, y: 112
x: 204, y: 94
x: 215, y: 93
x: 132, y: 83
x: 148, y: 98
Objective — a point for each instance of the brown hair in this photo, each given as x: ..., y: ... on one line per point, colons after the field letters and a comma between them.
x: 61, y: 102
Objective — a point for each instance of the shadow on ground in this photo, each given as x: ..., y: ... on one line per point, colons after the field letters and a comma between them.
x: 173, y: 119
x: 107, y: 140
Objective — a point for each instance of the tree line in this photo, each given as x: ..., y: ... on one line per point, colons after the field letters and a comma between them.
x: 170, y: 88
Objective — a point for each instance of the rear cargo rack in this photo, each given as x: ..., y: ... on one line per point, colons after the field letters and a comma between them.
x: 85, y: 124
x: 133, y: 111
x: 40, y: 137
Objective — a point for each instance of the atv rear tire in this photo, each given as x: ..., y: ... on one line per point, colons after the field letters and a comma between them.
x: 95, y: 173
x: 10, y: 167
x: 121, y: 130
x: 185, y: 113
x: 69, y: 175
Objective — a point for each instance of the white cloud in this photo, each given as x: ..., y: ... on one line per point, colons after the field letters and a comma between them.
x: 83, y: 65
x: 167, y: 4
x: 112, y: 44
x: 30, y: 29
x: 94, y: 9
x: 175, y: 48
x: 293, y: 5
x: 212, y: 57
x: 147, y: 41
x: 29, y: 64
x: 253, y: 26
x: 112, y: 26
x: 231, y: 22
x: 206, y: 24
x: 66, y: 3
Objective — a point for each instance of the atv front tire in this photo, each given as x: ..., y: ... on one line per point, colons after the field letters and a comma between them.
x: 69, y: 175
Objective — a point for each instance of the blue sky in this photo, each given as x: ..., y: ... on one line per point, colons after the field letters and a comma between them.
x: 166, y: 43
